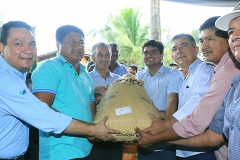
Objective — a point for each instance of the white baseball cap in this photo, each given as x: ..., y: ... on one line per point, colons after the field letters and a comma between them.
x: 222, y: 22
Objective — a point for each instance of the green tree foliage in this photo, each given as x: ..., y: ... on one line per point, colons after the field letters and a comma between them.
x: 1, y: 18
x: 125, y: 29
x: 166, y: 38
x: 195, y: 34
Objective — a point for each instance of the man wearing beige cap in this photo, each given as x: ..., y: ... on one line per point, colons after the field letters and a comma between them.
x: 225, y: 126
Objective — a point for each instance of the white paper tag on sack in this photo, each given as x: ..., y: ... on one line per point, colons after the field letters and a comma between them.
x: 123, y: 110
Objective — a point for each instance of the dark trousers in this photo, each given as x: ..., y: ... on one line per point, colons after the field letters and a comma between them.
x: 201, y: 156
x: 166, y: 154
x: 33, y: 148
x: 106, y: 151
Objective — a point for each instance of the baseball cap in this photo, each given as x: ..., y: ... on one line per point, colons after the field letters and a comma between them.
x: 222, y: 22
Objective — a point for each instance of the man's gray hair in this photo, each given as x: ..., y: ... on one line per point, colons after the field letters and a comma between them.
x: 94, y: 47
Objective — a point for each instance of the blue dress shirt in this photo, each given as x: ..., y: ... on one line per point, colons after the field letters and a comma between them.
x: 191, y: 89
x: 120, y: 69
x: 227, y: 120
x: 18, y: 108
x: 164, y: 82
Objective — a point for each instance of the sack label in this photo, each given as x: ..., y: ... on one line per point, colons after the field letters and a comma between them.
x: 123, y: 110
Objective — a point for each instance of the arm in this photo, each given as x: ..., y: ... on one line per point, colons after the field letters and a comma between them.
x: 45, y: 97
x: 99, y: 91
x: 159, y: 125
x: 216, y: 127
x: 195, y: 124
x: 172, y: 104
x: 30, y: 109
x: 198, y: 85
x: 206, y: 139
x: 93, y: 109
x: 146, y: 139
x: 98, y: 130
x: 77, y: 127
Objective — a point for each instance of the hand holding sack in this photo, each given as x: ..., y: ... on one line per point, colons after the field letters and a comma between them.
x: 126, y: 103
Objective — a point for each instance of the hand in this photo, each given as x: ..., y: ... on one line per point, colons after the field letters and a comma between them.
x: 104, y: 133
x: 100, y: 89
x: 146, y: 139
x: 157, y: 125
x: 93, y: 139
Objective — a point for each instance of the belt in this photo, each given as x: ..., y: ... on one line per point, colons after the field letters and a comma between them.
x: 16, y: 158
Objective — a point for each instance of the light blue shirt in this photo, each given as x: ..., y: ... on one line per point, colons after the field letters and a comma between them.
x: 227, y: 121
x: 73, y: 93
x: 98, y: 80
x: 120, y: 69
x: 164, y: 82
x: 18, y: 108
x: 191, y: 90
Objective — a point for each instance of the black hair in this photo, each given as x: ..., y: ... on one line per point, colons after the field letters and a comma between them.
x: 210, y: 24
x: 114, y: 44
x: 62, y: 31
x: 173, y: 64
x: 133, y: 66
x: 188, y: 36
x: 236, y: 63
x: 153, y: 43
x: 12, y: 24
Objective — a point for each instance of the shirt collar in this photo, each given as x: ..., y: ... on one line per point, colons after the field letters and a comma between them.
x: 9, y: 68
x: 61, y: 58
x: 192, y: 68
x: 222, y: 62
x: 194, y: 65
x: 160, y: 71
x: 236, y: 80
x: 63, y: 61
x: 95, y: 73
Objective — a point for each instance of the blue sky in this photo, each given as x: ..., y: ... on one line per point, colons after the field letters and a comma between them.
x: 47, y: 15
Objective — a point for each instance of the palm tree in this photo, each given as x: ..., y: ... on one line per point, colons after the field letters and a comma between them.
x: 126, y: 30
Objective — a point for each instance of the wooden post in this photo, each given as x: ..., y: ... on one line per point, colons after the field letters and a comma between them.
x: 155, y: 20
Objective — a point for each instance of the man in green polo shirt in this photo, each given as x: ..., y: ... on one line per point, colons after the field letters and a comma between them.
x: 65, y: 86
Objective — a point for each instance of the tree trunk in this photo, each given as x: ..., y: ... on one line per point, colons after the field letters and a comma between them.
x: 155, y: 20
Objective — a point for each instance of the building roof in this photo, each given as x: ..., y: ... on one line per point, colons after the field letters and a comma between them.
x: 210, y: 3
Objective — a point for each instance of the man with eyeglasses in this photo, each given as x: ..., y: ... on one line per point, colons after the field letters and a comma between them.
x: 102, y: 77
x: 161, y: 84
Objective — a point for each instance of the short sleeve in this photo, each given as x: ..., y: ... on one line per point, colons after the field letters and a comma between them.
x: 46, y: 77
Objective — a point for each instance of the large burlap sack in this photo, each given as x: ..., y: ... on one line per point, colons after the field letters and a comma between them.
x: 126, y: 103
